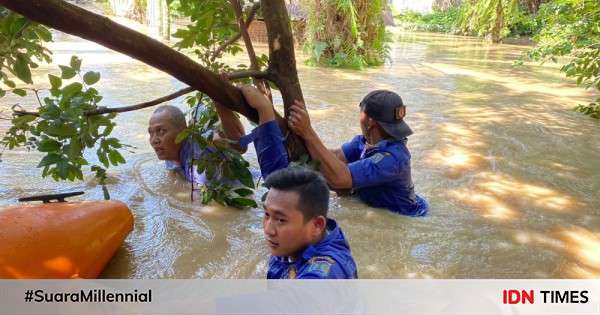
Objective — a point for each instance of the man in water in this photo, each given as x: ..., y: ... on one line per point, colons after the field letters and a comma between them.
x: 375, y: 164
x: 167, y: 122
x: 304, y: 243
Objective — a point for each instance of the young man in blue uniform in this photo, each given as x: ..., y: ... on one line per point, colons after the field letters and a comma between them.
x: 304, y: 243
x: 375, y: 165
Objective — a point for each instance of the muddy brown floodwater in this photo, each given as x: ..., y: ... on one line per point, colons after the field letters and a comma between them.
x: 511, y: 172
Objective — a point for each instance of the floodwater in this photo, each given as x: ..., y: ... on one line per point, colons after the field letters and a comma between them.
x: 511, y: 172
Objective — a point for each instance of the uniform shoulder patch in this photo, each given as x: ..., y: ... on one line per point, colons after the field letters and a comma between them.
x: 320, y: 265
x: 379, y: 156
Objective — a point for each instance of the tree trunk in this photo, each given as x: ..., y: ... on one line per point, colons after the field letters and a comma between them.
x: 282, y: 66
x: 74, y: 20
x: 499, y: 23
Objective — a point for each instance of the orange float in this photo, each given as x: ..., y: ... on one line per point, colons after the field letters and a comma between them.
x: 61, y: 239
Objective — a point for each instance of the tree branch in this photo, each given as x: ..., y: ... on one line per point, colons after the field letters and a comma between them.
x: 236, y: 37
x: 260, y: 84
x: 247, y: 74
x: 74, y: 20
x: 106, y: 110
x: 22, y: 112
x: 282, y: 67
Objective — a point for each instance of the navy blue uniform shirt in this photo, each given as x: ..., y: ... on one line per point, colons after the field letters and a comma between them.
x: 381, y: 175
x: 328, y: 259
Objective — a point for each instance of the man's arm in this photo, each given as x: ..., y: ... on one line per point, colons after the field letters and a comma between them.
x: 339, y: 153
x: 267, y: 137
x: 232, y: 126
x: 258, y: 101
x: 333, y: 168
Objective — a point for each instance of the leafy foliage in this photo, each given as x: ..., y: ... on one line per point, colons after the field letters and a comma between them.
x: 445, y: 21
x: 21, y: 45
x: 213, y: 24
x: 63, y: 131
x: 346, y: 33
x: 488, y: 17
x: 229, y: 180
x: 571, y: 28
x: 474, y: 18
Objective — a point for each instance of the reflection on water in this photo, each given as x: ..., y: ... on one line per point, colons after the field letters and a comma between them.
x: 510, y: 171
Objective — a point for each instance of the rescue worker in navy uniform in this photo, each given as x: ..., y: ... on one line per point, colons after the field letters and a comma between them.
x: 375, y: 165
x: 304, y: 243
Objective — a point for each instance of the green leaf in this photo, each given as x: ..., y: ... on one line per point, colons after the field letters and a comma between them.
x: 67, y: 72
x: 243, y: 192
x: 62, y: 169
x: 43, y: 33
x: 21, y: 68
x: 11, y: 84
x: 74, y: 150
x: 75, y: 63
x: 102, y: 157
x: 115, y: 157
x: 55, y: 81
x: 184, y: 134
x: 244, y: 202
x: 91, y: 77
x: 23, y: 119
x: 19, y: 92
x: 2, y: 93
x: 71, y: 89
x: 63, y: 130
x: 48, y: 145
x: 246, y: 178
x: 51, y: 158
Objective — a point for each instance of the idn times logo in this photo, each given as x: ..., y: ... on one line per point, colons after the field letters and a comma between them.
x: 513, y: 296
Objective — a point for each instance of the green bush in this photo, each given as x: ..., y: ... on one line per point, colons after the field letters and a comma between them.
x: 438, y: 21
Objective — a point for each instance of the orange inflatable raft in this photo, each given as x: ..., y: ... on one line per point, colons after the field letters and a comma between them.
x: 61, y: 239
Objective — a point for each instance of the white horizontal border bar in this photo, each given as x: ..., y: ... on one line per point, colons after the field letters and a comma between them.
x: 408, y: 297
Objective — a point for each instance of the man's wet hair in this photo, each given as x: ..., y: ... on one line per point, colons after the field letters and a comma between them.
x: 176, y: 116
x: 312, y: 189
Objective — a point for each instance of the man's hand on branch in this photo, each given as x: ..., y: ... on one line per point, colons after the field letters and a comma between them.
x: 299, y: 121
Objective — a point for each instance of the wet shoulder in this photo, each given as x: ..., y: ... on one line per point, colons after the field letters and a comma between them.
x: 394, y: 149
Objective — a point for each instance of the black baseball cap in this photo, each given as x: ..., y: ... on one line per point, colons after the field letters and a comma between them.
x: 387, y: 108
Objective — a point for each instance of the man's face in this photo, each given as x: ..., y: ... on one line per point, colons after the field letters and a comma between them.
x: 365, y: 122
x: 162, y: 136
x: 285, y: 230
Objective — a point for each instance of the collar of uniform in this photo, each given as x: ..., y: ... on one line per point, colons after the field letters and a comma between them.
x: 381, y: 144
x: 313, y: 250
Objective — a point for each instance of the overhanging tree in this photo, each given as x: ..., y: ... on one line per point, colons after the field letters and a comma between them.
x: 70, y: 119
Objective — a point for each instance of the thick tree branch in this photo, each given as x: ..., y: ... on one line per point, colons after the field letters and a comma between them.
x: 282, y: 66
x: 71, y: 19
